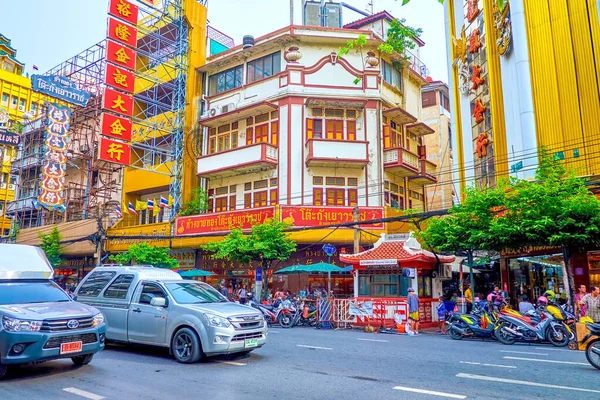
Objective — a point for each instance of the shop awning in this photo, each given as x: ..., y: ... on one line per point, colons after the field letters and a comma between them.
x: 399, y: 248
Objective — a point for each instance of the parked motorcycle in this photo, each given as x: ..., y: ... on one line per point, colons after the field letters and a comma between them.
x: 304, y: 314
x: 532, y: 328
x: 592, y: 350
x: 275, y: 313
x: 479, y: 324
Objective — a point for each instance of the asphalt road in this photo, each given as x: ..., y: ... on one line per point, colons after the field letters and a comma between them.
x: 304, y: 363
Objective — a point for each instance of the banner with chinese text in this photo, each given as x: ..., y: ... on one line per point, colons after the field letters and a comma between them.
x: 51, y: 195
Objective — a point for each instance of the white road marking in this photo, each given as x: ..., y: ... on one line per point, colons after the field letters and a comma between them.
x: 237, y: 364
x: 546, y: 361
x: 373, y: 340
x: 526, y: 383
x: 545, y: 349
x: 441, y: 394
x: 83, y: 393
x: 314, y: 347
x: 488, y: 365
x: 523, y: 352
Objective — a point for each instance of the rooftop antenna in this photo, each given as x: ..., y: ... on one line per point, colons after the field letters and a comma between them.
x: 370, y: 6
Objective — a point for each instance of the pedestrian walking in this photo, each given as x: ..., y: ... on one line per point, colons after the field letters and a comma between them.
x: 242, y: 294
x: 468, y: 295
x: 223, y: 290
x: 441, y: 311
x: 413, y: 312
x: 580, y: 309
x: 592, y: 303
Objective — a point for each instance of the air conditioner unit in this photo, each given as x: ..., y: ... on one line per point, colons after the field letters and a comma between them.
x: 213, y: 112
x: 445, y: 271
x: 22, y: 108
x: 227, y: 108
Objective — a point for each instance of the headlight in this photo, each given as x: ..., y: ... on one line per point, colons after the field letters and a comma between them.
x: 19, y: 325
x: 98, y: 319
x: 215, y: 320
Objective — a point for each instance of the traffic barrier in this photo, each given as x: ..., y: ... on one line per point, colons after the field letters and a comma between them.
x: 376, y: 312
x: 324, y: 312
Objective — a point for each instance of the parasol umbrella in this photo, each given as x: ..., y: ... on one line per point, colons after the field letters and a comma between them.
x: 294, y: 269
x: 324, y: 267
x: 194, y: 273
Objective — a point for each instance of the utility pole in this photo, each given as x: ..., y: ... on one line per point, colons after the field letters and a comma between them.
x: 292, y: 12
x: 356, y: 230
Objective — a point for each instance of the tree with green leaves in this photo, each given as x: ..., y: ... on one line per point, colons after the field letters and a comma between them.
x: 145, y: 254
x: 556, y: 209
x: 266, y: 242
x: 197, y: 205
x: 52, y: 247
x: 399, y: 39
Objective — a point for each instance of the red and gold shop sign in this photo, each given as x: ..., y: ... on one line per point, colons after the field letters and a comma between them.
x: 309, y: 216
x: 222, y: 222
x: 116, y: 127
x: 119, y: 103
x: 124, y: 10
x: 121, y: 32
x: 120, y: 55
x: 472, y: 10
x: 119, y: 78
x: 113, y: 151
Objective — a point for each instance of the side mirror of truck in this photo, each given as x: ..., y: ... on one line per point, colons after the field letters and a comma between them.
x: 158, y: 302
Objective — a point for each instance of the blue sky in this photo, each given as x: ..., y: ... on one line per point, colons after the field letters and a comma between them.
x: 47, y: 32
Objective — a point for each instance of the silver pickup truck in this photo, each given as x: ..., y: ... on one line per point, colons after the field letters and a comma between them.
x: 157, y: 307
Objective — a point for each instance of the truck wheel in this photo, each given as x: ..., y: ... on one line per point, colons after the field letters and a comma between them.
x: 3, y: 369
x: 186, y: 347
x: 82, y: 360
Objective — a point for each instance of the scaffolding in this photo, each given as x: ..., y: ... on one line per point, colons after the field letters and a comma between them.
x: 90, y: 184
x: 160, y: 101
x: 158, y: 120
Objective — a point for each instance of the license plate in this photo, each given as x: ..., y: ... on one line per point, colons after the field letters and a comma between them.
x: 251, y: 343
x: 71, y: 347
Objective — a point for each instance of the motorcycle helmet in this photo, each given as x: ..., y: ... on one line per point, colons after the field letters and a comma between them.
x: 550, y: 295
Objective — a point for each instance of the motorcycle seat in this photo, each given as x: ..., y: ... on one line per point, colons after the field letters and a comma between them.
x: 266, y: 307
x: 594, y: 328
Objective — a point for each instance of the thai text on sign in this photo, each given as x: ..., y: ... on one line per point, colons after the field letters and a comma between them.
x: 323, y: 216
x: 223, y: 222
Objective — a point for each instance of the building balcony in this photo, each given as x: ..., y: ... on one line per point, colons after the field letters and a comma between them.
x: 254, y: 158
x: 23, y: 203
x: 428, y: 174
x: 337, y: 153
x: 401, y: 162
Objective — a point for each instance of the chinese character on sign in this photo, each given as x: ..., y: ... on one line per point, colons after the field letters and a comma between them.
x: 479, y: 111
x: 120, y: 78
x: 122, y: 32
x: 124, y: 8
x: 472, y: 10
x: 474, y: 42
x: 118, y: 104
x: 481, y: 145
x: 117, y: 128
x: 115, y: 150
x: 476, y: 78
x: 122, y: 56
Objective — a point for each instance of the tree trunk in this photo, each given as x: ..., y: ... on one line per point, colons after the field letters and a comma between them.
x: 471, y: 278
x: 569, y: 273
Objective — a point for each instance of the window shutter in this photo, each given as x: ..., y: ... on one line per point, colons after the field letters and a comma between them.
x: 387, y: 138
x: 274, y: 198
x: 352, y: 197
x: 248, y: 200
x: 317, y: 196
x: 309, y: 128
x: 351, y: 130
x: 232, y: 203
x: 274, y: 133
x: 249, y: 134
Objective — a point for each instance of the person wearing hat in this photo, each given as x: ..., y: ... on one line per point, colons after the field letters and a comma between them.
x: 413, y: 312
